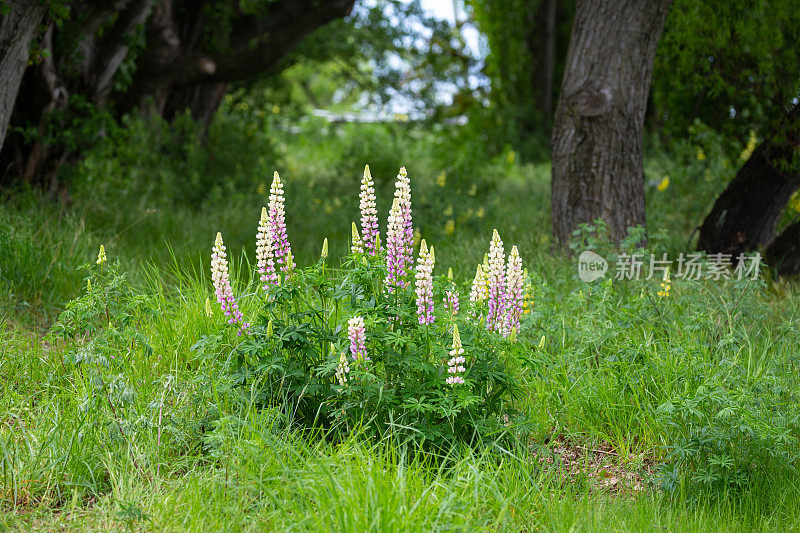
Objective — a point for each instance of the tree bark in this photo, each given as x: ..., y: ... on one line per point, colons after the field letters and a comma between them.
x: 597, y: 167
x: 783, y: 252
x: 17, y: 29
x: 746, y: 214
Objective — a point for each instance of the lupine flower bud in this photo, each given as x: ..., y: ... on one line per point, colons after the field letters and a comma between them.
x: 456, y: 363
x: 343, y: 368
x: 369, y: 213
x: 514, y: 292
x: 424, y: 284
x: 101, y: 256
x: 270, y: 328
x: 289, y: 264
x: 324, y: 254
x: 496, y: 279
x: 480, y: 288
x: 357, y: 246
x: 209, y: 312
x: 357, y: 334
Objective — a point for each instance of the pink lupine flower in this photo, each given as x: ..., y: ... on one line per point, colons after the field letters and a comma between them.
x: 277, y: 219
x: 424, y: 284
x: 451, y: 302
x: 395, y: 258
x: 369, y: 213
x: 515, y: 286
x: 400, y: 234
x: 403, y: 192
x: 222, y: 285
x: 265, y: 251
x: 455, y: 366
x: 357, y: 334
x: 496, y: 282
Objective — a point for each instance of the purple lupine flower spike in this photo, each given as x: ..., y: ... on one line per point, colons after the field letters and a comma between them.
x: 424, y: 284
x: 277, y: 219
x: 515, y: 286
x: 357, y: 334
x: 222, y: 285
x: 496, y: 282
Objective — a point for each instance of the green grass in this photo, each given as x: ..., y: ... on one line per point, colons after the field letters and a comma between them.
x: 616, y: 366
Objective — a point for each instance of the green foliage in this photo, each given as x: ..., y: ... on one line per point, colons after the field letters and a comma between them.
x: 516, y: 34
x: 595, y: 364
x: 734, y: 63
x: 401, y: 389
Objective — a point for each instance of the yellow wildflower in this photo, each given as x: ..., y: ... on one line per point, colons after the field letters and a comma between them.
x: 276, y: 109
x: 480, y: 212
x: 665, y: 285
x: 101, y: 256
x: 511, y: 156
x: 663, y: 184
x: 473, y: 190
x: 701, y: 155
x: 441, y: 179
x: 450, y: 227
x: 448, y: 212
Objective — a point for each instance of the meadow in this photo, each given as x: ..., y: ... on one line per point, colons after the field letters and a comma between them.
x: 635, y: 407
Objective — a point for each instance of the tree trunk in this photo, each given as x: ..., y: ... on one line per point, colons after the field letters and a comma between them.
x: 746, y: 214
x: 597, y: 135
x: 783, y: 253
x: 17, y: 29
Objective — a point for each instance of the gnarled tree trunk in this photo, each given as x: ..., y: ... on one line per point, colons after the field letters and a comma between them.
x: 177, y: 69
x: 783, y: 252
x: 599, y: 120
x: 17, y: 29
x: 746, y: 214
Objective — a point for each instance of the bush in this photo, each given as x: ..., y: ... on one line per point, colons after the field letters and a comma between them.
x: 400, y: 387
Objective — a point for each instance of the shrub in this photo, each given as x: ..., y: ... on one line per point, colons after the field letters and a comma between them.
x: 363, y: 347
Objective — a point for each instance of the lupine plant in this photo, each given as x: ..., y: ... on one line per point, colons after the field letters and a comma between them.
x: 362, y: 347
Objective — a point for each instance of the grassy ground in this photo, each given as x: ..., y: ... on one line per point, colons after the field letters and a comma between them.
x: 638, y: 412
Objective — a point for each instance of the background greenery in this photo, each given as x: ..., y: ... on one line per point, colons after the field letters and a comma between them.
x: 690, y: 399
